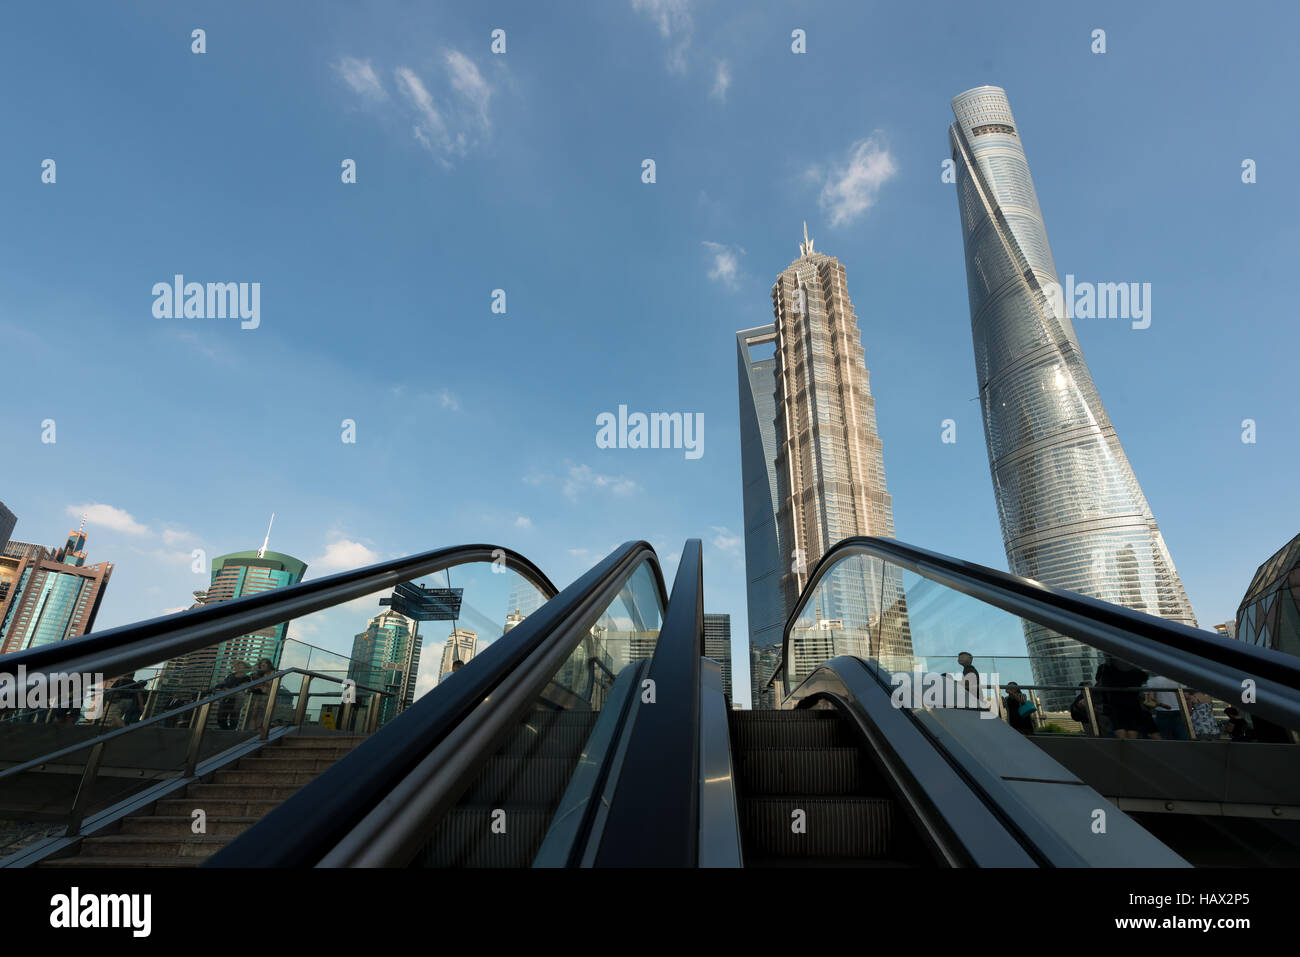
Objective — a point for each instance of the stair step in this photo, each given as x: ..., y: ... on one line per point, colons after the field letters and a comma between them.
x: 828, y: 772
x: 464, y: 838
x: 78, y: 862
x: 840, y: 827
x: 214, y: 807
x: 308, y: 742
x: 148, y: 845
x: 181, y: 825
x: 258, y: 778
x: 305, y: 760
x: 234, y: 792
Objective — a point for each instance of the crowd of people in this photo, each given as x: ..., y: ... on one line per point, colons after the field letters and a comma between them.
x: 1130, y: 703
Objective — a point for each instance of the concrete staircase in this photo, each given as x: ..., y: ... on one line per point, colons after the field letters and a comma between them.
x: 233, y: 799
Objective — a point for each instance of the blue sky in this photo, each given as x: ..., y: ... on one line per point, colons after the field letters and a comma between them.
x: 522, y: 172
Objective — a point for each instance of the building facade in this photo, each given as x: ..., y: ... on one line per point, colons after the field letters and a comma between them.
x: 1269, y: 614
x: 1071, y: 510
x: 387, y: 656
x: 49, y: 595
x: 717, y: 645
x: 462, y: 645
x: 235, y: 576
x: 765, y: 558
x: 7, y: 522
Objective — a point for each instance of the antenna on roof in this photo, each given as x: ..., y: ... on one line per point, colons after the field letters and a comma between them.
x: 261, y: 552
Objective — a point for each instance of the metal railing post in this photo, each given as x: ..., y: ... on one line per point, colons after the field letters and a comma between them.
x: 345, y: 719
x: 300, y: 713
x: 372, y: 719
x: 1186, y: 713
x: 271, y: 694
x: 196, y: 738
x: 1092, y: 712
x: 79, y: 803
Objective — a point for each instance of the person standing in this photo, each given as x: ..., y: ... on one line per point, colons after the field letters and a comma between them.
x: 1020, y: 709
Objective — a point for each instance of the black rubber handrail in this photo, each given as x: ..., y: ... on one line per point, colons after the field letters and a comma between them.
x: 302, y: 830
x: 1207, y: 661
x: 654, y: 814
x: 118, y: 651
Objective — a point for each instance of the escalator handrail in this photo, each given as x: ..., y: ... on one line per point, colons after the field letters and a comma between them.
x: 653, y: 819
x: 121, y: 650
x: 311, y: 823
x: 1162, y: 646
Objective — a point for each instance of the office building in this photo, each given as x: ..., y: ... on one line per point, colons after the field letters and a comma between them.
x: 1071, y: 510
x: 49, y: 594
x: 461, y: 645
x: 386, y: 656
x: 717, y: 645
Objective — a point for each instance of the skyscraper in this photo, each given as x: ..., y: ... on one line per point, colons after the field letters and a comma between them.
x: 7, y: 522
x: 717, y: 645
x: 48, y: 594
x: 1072, y: 512
x: 829, y: 467
x: 765, y: 558
x: 387, y: 656
x: 234, y: 576
x: 462, y: 645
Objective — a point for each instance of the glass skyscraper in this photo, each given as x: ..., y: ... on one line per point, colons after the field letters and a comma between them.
x: 49, y: 595
x: 811, y: 461
x: 387, y: 656
x: 765, y: 558
x: 1072, y: 512
x: 235, y: 576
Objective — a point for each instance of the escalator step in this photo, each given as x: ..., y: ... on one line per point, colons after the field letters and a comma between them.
x: 790, y: 729
x: 838, y: 828
x: 551, y: 736
x: 829, y: 772
x: 511, y: 779
x: 465, y: 838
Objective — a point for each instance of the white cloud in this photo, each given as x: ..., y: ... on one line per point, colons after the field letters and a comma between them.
x: 107, y: 516
x: 174, y: 536
x: 449, y: 401
x: 523, y: 521
x: 724, y: 541
x: 850, y: 189
x: 342, y: 555
x: 469, y: 83
x: 172, y: 611
x: 361, y: 77
x: 583, y: 478
x: 673, y: 18
x: 726, y: 263
x: 721, y: 81
x: 430, y: 127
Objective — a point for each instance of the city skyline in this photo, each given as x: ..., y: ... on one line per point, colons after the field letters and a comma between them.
x: 166, y: 412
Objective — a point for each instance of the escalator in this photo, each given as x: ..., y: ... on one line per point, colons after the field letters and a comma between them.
x: 595, y: 733
x: 810, y: 795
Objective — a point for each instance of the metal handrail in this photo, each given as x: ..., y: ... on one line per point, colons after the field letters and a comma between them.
x: 1163, y: 647
x: 653, y: 818
x: 122, y: 650
x: 371, y: 805
x: 169, y: 715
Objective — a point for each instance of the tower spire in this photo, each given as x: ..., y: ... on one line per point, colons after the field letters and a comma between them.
x: 261, y: 552
x: 806, y: 247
